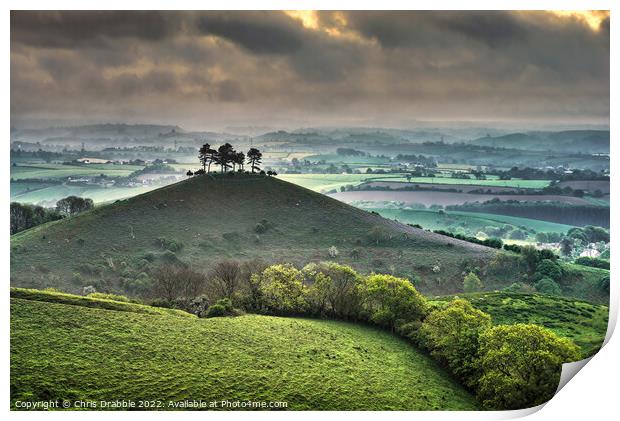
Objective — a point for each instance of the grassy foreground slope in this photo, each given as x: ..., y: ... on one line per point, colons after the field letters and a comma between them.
x: 216, y: 217
x: 61, y: 351
x: 582, y: 322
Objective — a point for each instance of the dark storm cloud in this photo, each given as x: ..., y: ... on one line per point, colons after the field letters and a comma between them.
x: 72, y: 28
x: 341, y: 67
x: 258, y: 32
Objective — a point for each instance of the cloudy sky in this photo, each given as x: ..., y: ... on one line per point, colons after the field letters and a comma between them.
x: 209, y: 70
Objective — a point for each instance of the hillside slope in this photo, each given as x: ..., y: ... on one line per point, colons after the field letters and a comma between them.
x: 208, y: 218
x: 70, y: 352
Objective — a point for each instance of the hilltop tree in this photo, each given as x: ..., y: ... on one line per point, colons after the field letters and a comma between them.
x: 203, y: 155
x: 225, y: 156
x: 254, y: 159
x: 240, y: 160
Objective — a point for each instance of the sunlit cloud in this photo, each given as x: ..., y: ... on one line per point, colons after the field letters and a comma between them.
x: 592, y: 18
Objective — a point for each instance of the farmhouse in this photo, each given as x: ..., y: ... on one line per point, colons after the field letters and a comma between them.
x: 93, y: 161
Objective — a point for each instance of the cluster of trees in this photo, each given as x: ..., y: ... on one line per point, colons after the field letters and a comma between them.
x: 350, y: 152
x: 496, y: 243
x: 24, y: 216
x: 527, y: 173
x: 227, y: 158
x: 507, y: 366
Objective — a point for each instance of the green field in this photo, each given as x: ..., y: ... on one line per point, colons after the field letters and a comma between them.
x: 524, y: 184
x: 467, y: 222
x: 60, y: 171
x: 52, y: 193
x: 71, y: 352
x: 325, y: 182
x: 582, y: 322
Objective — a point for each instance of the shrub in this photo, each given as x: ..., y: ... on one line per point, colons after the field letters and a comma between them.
x: 548, y: 286
x: 112, y: 297
x: 521, y: 365
x: 471, y: 283
x: 223, y: 307
x: 169, y: 244
x: 451, y: 334
x: 390, y: 302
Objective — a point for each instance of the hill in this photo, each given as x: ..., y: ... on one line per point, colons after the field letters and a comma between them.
x: 208, y: 218
x: 593, y: 141
x: 582, y: 322
x: 71, y: 352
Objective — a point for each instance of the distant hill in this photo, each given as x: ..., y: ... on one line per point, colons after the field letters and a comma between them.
x: 579, y: 141
x: 208, y: 218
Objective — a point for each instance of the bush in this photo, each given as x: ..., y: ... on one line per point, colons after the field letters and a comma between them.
x: 548, y: 286
x: 169, y: 244
x: 471, y: 283
x: 112, y: 297
x: 222, y: 308
x: 451, y: 334
x: 521, y: 365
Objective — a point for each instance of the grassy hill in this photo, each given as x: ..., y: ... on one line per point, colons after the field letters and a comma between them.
x: 64, y: 350
x: 207, y: 218
x: 582, y: 322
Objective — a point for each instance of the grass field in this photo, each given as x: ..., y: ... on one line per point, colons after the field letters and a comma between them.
x: 524, y: 184
x: 467, y: 222
x: 60, y: 171
x: 582, y: 322
x: 327, y: 182
x: 72, y: 352
x: 51, y: 193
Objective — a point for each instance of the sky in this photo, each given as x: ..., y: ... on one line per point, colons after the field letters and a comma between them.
x: 212, y: 70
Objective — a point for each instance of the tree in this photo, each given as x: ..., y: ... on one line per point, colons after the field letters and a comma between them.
x: 282, y: 289
x: 471, y: 283
x: 225, y: 156
x: 451, y: 334
x: 240, y: 160
x: 390, y: 301
x: 254, y: 157
x: 530, y: 256
x: 377, y: 234
x: 548, y: 286
x: 172, y: 282
x: 189, y: 173
x: 332, y: 289
x: 547, y: 268
x: 203, y: 155
x: 72, y: 205
x: 224, y: 279
x: 521, y: 365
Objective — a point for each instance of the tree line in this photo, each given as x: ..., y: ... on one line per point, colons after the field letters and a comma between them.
x: 24, y: 216
x: 506, y: 366
x: 227, y: 158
